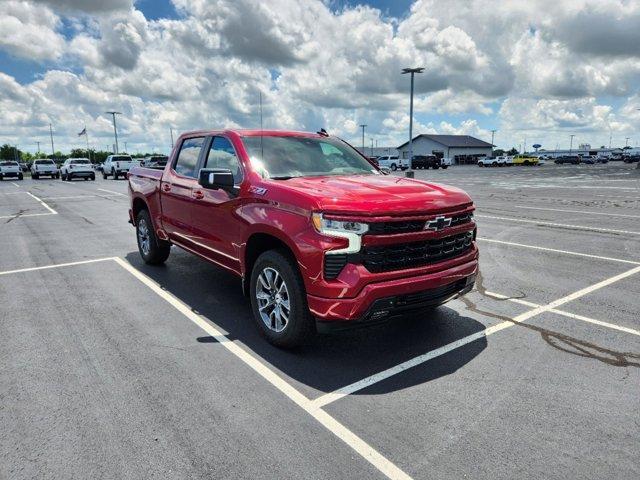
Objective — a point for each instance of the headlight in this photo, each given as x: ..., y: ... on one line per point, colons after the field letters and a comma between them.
x: 352, y: 231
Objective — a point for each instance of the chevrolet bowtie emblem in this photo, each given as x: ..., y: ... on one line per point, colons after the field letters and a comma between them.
x: 438, y: 223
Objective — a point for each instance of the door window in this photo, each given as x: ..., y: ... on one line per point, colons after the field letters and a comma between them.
x: 223, y: 155
x: 188, y: 157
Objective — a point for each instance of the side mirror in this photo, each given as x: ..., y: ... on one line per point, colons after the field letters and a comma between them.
x: 216, y: 178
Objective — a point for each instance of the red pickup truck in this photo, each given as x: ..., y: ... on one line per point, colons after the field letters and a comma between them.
x: 320, y: 237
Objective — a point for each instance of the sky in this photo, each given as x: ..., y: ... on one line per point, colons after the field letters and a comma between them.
x: 535, y: 71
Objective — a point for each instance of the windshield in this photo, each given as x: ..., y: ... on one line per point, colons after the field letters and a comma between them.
x: 8, y: 164
x: 44, y: 162
x: 80, y: 162
x: 286, y: 157
x: 121, y: 159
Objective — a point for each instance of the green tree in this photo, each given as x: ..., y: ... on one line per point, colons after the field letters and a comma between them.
x: 8, y: 152
x: 513, y: 151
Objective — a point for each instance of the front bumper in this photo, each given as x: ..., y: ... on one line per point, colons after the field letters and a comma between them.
x: 81, y: 174
x: 385, y: 299
x: 11, y: 174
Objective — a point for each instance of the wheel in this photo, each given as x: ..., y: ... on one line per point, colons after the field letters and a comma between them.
x: 115, y: 174
x: 86, y: 178
x: 57, y: 175
x: 93, y: 178
x: 526, y: 162
x: 69, y: 177
x: 1, y: 177
x: 35, y: 176
x: 20, y: 177
x: 494, y: 164
x: 479, y: 164
x: 444, y: 167
x: 394, y: 167
x: 152, y: 250
x: 104, y: 175
x: 278, y: 300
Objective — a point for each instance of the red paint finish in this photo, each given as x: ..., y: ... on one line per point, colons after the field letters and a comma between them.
x: 218, y: 224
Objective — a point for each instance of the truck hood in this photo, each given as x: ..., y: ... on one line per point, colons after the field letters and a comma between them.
x: 377, y: 194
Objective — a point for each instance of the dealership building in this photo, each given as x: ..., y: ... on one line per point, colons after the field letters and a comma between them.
x: 462, y: 149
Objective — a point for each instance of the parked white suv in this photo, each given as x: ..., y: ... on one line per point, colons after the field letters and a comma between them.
x: 44, y: 167
x: 10, y: 169
x: 116, y: 165
x: 77, y: 168
x: 392, y: 162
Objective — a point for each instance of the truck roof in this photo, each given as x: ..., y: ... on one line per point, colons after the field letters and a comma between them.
x: 254, y: 133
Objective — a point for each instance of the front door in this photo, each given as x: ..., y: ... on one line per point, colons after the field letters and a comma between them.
x: 216, y: 219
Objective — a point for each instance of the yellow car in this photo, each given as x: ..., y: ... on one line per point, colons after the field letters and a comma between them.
x: 525, y: 160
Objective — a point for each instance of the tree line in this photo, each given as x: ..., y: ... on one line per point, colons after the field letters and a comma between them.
x: 9, y: 152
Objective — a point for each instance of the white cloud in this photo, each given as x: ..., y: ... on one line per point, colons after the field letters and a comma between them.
x: 29, y: 31
x: 317, y: 67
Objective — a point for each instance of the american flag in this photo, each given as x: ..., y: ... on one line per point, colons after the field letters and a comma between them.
x: 83, y: 132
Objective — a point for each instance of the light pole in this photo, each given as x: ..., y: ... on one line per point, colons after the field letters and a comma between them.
x: 363, y: 127
x: 125, y: 147
x: 412, y: 71
x: 115, y: 130
x: 38, y: 143
x: 571, y: 144
x: 371, y: 146
x: 171, y: 130
x: 626, y: 143
x: 493, y: 134
x: 53, y: 151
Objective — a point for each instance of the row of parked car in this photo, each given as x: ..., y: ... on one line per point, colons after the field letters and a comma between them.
x: 115, y: 166
x: 394, y: 162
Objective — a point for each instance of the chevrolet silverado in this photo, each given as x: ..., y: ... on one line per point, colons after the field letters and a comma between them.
x: 320, y: 238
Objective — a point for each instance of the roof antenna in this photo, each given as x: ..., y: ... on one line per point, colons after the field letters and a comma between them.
x: 261, y: 130
x: 323, y: 132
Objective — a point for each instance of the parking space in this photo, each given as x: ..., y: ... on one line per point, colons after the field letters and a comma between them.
x: 119, y: 369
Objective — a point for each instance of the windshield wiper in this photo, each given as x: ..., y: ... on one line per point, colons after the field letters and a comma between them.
x: 281, y: 177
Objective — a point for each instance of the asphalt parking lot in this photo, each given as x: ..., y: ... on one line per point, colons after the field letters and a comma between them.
x: 115, y: 369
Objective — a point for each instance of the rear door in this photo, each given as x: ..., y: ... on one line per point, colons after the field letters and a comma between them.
x: 216, y: 220
x: 176, y: 196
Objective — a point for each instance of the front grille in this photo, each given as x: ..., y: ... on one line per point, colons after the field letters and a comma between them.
x: 333, y: 265
x: 387, y: 228
x: 410, y: 226
x: 385, y: 258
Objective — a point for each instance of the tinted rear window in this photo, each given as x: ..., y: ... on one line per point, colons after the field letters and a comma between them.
x: 121, y: 158
x: 80, y: 162
x: 8, y: 164
x: 44, y: 162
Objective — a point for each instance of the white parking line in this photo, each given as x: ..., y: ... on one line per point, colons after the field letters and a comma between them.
x: 390, y: 372
x: 69, y: 197
x: 14, y: 183
x: 57, y: 265
x: 567, y: 314
x: 563, y: 225
x: 17, y: 215
x: 577, y: 211
x: 111, y: 191
x: 365, y: 450
x: 53, y: 212
x: 565, y: 252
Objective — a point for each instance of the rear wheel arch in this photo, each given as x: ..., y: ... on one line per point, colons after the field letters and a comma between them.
x: 139, y: 205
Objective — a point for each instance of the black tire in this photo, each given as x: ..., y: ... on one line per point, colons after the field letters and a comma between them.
x: 300, y: 326
x: 69, y: 177
x: 526, y: 162
x: 1, y: 177
x: 436, y: 167
x: 93, y: 178
x: 444, y: 167
x: 57, y: 175
x: 480, y: 165
x: 20, y: 177
x: 394, y: 167
x: 115, y: 174
x: 158, y: 250
x: 86, y: 178
x: 35, y: 176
